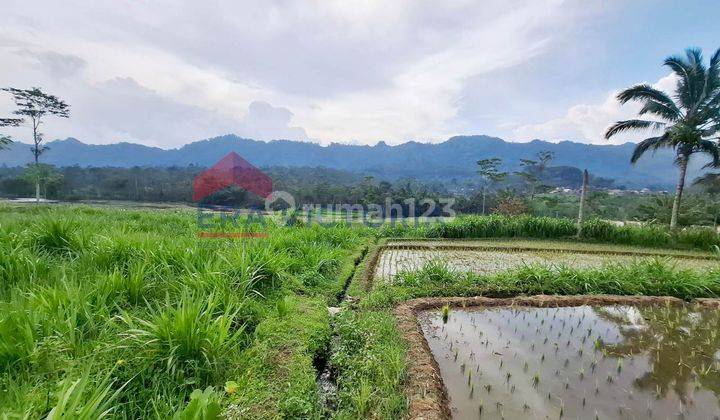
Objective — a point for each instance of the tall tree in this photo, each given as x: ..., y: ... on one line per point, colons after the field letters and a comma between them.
x: 688, y: 123
x: 46, y: 174
x: 489, y: 171
x: 533, y: 170
x: 35, y: 105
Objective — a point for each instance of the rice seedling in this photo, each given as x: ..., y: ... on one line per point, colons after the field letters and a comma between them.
x: 564, y: 380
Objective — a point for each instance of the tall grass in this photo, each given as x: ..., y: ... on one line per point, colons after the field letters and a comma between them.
x: 82, y: 399
x: 138, y: 293
x: 498, y: 226
x: 656, y: 277
x: 191, y: 336
x: 56, y: 236
x: 369, y: 360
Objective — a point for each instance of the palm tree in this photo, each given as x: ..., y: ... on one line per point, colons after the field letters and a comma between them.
x: 690, y: 121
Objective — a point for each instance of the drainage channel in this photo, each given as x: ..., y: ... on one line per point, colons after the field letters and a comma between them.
x: 326, y: 380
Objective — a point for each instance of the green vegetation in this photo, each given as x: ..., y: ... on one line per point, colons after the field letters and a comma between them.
x: 688, y: 120
x: 650, y: 278
x: 497, y: 226
x: 129, y: 313
x: 369, y: 361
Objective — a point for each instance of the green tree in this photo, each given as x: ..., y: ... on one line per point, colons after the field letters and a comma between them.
x: 35, y: 105
x: 533, y: 170
x: 489, y: 171
x: 8, y: 122
x: 689, y: 123
x: 44, y: 175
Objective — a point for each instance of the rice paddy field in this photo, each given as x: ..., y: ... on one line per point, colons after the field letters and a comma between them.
x: 608, y: 362
x: 489, y: 259
x: 128, y: 313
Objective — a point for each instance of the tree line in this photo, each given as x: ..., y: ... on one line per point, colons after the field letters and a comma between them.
x: 688, y: 122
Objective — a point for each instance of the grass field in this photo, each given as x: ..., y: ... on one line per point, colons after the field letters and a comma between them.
x: 128, y: 312
x: 131, y: 309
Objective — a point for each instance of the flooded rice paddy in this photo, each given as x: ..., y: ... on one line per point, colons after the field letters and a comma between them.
x: 586, y: 362
x: 394, y: 260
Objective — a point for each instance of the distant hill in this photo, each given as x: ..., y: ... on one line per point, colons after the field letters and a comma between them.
x: 453, y: 159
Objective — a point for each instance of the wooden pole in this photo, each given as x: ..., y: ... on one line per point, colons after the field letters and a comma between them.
x: 583, y: 196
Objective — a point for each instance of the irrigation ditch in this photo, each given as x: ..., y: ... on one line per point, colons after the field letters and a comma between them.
x: 326, y: 380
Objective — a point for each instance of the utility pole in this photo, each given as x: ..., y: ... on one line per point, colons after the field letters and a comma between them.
x: 583, y: 196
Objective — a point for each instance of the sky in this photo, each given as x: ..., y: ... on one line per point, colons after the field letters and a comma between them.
x: 166, y: 73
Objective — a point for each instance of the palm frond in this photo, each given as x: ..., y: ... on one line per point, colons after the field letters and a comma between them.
x: 659, y: 110
x: 714, y: 100
x: 713, y: 74
x: 685, y: 83
x: 699, y: 78
x: 645, y: 92
x: 695, y: 59
x: 711, y: 131
x: 628, y: 125
x: 652, y: 143
x: 707, y: 179
x: 711, y: 148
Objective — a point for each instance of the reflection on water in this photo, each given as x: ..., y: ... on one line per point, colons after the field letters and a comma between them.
x: 681, y: 346
x: 578, y: 362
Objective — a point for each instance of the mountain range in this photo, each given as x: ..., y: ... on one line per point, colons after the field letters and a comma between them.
x: 454, y: 159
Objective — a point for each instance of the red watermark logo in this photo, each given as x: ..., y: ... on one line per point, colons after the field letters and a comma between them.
x: 234, y: 171
x: 231, y: 170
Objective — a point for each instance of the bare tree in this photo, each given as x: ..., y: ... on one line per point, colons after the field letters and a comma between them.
x: 34, y: 105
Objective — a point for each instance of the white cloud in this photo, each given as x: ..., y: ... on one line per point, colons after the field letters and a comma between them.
x: 266, y: 122
x: 166, y: 73
x: 587, y: 122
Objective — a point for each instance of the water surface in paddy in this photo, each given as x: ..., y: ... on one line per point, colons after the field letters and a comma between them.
x: 578, y: 362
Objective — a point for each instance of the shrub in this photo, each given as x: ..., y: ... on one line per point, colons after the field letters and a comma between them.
x: 511, y: 206
x: 703, y: 238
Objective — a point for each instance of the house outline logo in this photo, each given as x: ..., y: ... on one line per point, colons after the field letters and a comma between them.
x: 232, y: 170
